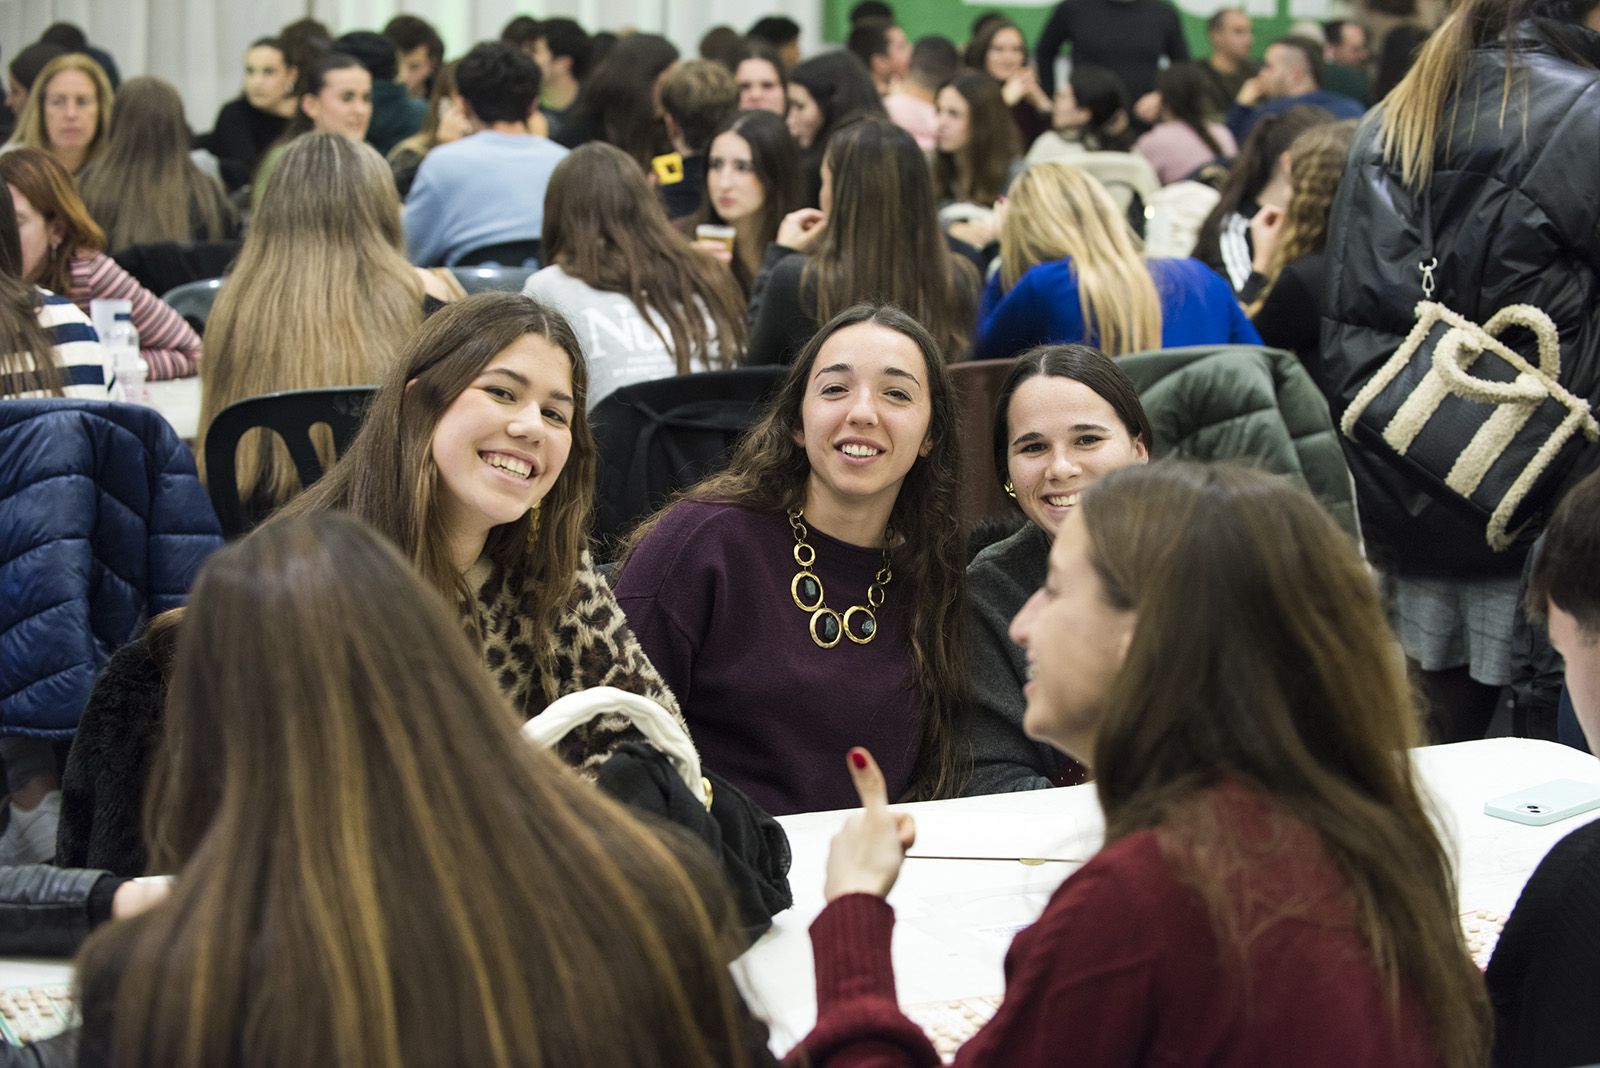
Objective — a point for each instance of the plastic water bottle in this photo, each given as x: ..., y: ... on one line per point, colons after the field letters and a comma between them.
x: 131, y: 369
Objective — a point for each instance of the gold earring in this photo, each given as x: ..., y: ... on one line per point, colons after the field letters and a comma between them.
x: 1011, y: 491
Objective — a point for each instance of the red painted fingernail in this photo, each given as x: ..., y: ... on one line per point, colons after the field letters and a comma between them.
x: 859, y: 759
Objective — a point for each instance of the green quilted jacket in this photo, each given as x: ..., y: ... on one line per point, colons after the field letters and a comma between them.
x: 1247, y: 403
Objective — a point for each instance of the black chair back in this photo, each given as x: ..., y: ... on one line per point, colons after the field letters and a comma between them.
x: 656, y: 437
x: 505, y: 254
x: 492, y: 279
x: 291, y: 415
x: 193, y: 301
x: 162, y: 266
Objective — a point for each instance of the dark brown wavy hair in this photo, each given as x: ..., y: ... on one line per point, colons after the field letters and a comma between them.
x: 768, y: 473
x: 1294, y: 687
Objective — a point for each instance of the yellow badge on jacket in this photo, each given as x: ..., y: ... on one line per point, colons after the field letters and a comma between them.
x: 668, y: 168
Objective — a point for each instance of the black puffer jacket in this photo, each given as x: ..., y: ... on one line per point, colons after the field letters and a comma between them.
x: 1516, y: 219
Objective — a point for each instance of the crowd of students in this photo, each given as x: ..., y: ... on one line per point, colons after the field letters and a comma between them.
x: 339, y: 787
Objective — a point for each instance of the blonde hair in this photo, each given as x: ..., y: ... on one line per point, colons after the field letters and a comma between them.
x: 145, y: 187
x: 1056, y: 211
x: 30, y: 130
x: 1316, y: 167
x: 1414, y: 110
x: 321, y: 295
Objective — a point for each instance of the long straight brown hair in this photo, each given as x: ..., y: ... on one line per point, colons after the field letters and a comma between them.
x: 882, y: 243
x: 374, y: 867
x: 321, y: 295
x: 27, y: 357
x: 775, y: 159
x: 47, y: 185
x: 768, y: 473
x: 1294, y: 686
x: 144, y: 187
x: 388, y: 476
x: 977, y: 172
x: 604, y: 226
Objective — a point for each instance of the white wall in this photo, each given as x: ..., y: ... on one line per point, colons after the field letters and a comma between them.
x: 198, y: 45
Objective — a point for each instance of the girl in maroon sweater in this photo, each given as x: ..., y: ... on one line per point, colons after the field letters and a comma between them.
x: 807, y: 599
x: 1271, y: 890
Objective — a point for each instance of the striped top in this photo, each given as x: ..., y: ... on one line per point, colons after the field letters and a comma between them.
x: 168, y: 343
x: 1237, y: 248
x: 85, y: 363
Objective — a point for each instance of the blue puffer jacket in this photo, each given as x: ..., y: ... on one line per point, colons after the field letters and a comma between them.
x: 103, y: 524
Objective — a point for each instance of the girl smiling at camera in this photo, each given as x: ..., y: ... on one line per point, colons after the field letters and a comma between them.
x: 1066, y: 415
x: 803, y: 600
x: 477, y: 460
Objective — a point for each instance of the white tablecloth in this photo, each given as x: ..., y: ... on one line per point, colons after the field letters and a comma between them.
x: 955, y: 918
x: 179, y: 400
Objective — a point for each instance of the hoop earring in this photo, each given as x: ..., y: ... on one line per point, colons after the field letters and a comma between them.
x: 1011, y: 491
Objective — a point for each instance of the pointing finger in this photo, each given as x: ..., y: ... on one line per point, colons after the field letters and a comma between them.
x: 869, y: 780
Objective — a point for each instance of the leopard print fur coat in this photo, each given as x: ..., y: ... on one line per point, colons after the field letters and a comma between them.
x: 593, y: 647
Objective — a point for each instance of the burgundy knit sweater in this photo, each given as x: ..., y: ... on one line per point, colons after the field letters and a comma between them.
x: 1123, y: 969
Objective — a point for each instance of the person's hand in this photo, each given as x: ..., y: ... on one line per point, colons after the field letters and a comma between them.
x: 1011, y: 89
x: 138, y: 895
x: 866, y: 854
x: 453, y: 121
x: 1265, y: 230
x: 719, y: 249
x: 1251, y: 92
x: 1147, y: 109
x: 800, y: 229
x: 1034, y: 92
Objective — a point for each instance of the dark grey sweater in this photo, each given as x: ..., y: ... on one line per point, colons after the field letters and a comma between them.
x: 999, y: 581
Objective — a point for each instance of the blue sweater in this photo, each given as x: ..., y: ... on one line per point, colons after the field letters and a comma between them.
x: 1197, y: 308
x: 1241, y: 119
x: 485, y: 189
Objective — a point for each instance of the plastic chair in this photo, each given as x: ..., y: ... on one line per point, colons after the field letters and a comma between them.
x: 492, y: 279
x: 656, y: 437
x: 193, y: 301
x: 504, y: 254
x: 291, y: 415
